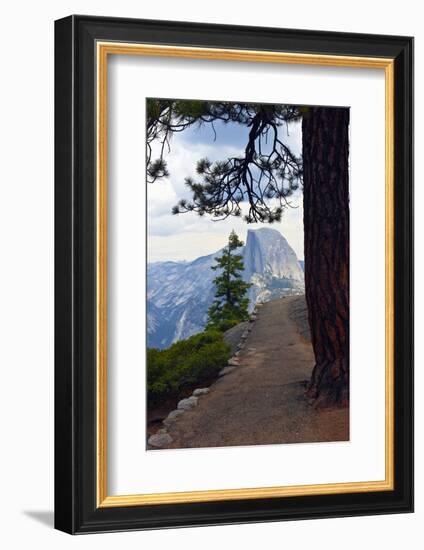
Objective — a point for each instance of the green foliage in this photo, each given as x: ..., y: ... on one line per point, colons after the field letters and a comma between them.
x: 263, y: 177
x: 230, y: 305
x: 184, y: 365
x: 153, y: 109
x: 157, y: 169
x: 190, y: 109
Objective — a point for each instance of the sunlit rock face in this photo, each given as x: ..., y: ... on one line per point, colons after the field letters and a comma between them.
x: 180, y: 293
x: 271, y: 265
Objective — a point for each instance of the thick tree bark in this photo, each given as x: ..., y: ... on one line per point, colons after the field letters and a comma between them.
x: 326, y: 231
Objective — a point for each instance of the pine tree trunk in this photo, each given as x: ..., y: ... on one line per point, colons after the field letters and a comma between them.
x: 326, y: 231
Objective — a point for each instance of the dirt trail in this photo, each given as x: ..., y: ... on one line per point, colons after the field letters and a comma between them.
x: 261, y: 401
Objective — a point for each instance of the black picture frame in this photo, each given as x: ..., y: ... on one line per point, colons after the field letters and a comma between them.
x: 76, y: 510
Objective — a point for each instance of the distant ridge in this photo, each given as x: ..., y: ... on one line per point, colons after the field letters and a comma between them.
x: 180, y: 293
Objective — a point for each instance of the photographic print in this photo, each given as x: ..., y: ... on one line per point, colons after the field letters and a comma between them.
x: 247, y: 273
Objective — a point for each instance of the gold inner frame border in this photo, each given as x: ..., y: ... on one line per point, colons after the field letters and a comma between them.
x: 103, y: 50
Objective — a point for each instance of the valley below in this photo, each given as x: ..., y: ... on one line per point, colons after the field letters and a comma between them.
x: 180, y: 293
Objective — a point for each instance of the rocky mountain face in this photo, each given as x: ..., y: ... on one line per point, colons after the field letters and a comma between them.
x: 180, y: 293
x: 271, y: 265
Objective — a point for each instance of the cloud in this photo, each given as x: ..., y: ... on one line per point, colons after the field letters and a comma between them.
x: 187, y: 236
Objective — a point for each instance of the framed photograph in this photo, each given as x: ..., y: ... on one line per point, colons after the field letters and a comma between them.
x: 234, y: 269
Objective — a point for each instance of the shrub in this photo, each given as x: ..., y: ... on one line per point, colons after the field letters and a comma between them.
x: 226, y: 324
x: 184, y: 365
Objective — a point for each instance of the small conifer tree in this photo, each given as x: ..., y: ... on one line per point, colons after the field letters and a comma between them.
x: 230, y: 306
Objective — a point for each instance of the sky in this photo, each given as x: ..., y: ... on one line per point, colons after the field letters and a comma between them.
x: 188, y: 236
